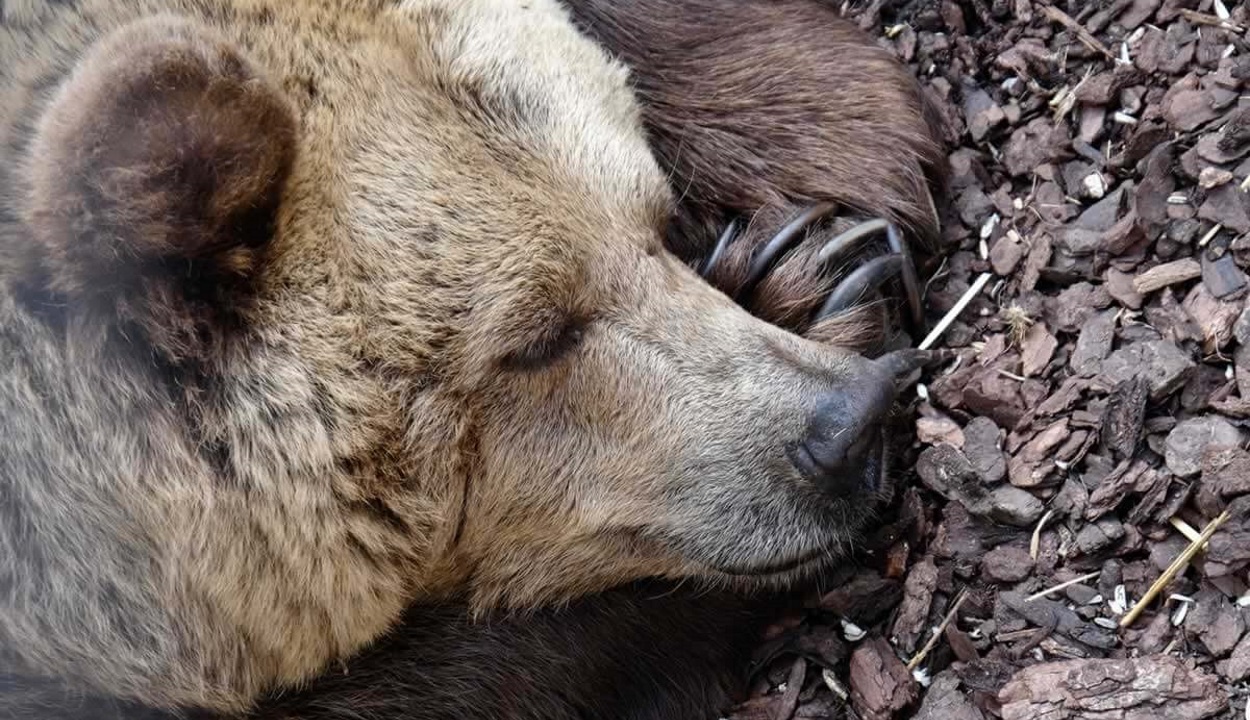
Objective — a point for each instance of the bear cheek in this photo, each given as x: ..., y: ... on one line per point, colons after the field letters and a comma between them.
x: 573, y: 471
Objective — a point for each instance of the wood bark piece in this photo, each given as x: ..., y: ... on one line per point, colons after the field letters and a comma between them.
x: 1155, y: 687
x: 913, y: 613
x: 1085, y: 36
x: 1171, y: 273
x: 1046, y: 613
x: 944, y: 701
x: 794, y: 686
x: 880, y: 683
x: 1126, y: 412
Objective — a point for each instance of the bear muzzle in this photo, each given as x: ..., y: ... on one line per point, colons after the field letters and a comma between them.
x: 842, y: 449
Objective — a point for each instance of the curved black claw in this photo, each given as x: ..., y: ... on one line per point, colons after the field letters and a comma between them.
x: 845, y: 243
x: 788, y: 237
x: 873, y: 274
x: 904, y: 365
x: 911, y: 281
x: 773, y: 250
x: 901, y: 362
x: 726, y: 237
x: 851, y: 289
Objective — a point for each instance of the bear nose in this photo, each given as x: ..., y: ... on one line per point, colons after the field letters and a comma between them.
x: 840, y: 449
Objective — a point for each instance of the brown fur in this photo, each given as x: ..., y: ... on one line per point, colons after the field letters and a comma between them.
x: 744, y: 122
x: 457, y: 364
x: 643, y: 652
x: 759, y: 109
x: 157, y: 203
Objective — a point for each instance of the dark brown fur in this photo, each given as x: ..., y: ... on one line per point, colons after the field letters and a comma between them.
x: 155, y: 206
x: 758, y: 109
x: 757, y: 104
x: 644, y: 652
x: 647, y: 652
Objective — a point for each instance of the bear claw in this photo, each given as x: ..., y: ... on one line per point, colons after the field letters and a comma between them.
x: 783, y: 241
x: 849, y: 291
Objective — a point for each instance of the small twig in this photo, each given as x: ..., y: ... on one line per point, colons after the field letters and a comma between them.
x: 1063, y: 586
x: 937, y: 634
x: 1198, y: 18
x: 949, y: 317
x: 1086, y: 37
x: 1173, y: 570
x: 1008, y: 636
x: 1215, y: 230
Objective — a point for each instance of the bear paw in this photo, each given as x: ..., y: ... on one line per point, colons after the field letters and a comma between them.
x: 822, y: 276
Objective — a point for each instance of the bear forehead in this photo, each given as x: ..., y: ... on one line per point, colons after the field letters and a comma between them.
x: 485, y: 120
x: 450, y: 155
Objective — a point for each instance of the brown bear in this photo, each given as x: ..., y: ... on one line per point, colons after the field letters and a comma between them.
x: 316, y: 312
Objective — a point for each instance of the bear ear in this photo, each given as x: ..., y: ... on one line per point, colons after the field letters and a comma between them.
x: 154, y: 180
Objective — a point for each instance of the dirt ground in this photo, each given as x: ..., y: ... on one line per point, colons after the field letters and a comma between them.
x: 1071, y: 537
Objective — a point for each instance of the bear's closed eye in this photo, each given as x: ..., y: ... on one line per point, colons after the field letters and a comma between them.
x: 552, y: 344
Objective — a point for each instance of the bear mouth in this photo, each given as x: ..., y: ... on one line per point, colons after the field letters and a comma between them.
x: 813, y: 558
x: 873, y: 480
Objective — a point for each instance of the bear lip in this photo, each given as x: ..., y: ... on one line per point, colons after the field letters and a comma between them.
x: 783, y: 567
x: 871, y: 482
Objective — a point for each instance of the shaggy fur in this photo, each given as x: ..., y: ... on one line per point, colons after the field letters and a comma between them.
x: 644, y: 652
x: 379, y: 319
x: 639, y: 653
x: 742, y: 121
x: 757, y: 110
x: 156, y: 205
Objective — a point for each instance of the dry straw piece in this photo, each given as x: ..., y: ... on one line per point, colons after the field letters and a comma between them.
x: 1174, y: 569
x: 937, y: 632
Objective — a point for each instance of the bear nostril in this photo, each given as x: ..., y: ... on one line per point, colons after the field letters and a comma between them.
x: 841, y: 449
x: 843, y: 434
x: 823, y: 459
x: 840, y: 469
x: 856, y: 469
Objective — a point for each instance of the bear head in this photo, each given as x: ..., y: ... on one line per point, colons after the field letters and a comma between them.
x: 375, y: 307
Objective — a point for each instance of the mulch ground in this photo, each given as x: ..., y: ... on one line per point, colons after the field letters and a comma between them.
x: 1096, y: 419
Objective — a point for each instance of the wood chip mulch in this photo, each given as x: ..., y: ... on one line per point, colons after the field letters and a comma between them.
x: 1097, y: 416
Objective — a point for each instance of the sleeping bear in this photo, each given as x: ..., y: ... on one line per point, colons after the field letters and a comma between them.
x: 359, y: 359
